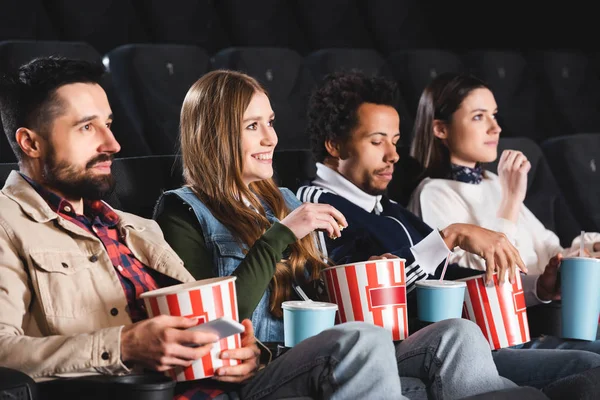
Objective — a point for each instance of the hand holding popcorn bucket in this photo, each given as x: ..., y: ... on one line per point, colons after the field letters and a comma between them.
x: 206, y: 300
x: 370, y: 291
x: 499, y: 310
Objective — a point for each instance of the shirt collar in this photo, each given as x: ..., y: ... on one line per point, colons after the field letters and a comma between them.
x: 93, y: 208
x: 336, y: 183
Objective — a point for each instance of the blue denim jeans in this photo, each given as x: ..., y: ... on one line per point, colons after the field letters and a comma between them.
x: 540, y: 367
x: 553, y: 342
x: 532, y: 367
x: 453, y: 359
x: 349, y: 361
x: 447, y: 360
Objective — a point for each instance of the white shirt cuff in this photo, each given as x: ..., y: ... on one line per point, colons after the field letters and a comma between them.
x: 530, y: 288
x: 430, y: 252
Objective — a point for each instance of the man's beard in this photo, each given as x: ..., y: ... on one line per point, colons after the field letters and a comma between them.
x: 73, y: 182
x: 373, y: 191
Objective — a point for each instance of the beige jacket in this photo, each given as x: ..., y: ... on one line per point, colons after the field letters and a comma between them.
x: 55, y: 298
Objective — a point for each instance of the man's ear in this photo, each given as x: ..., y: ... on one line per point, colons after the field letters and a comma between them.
x: 440, y: 130
x: 29, y: 142
x: 333, y: 148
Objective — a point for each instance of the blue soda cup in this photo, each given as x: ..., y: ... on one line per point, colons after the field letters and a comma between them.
x: 580, y: 292
x: 303, y: 319
x: 438, y: 300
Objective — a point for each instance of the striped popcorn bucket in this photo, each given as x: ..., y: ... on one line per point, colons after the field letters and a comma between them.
x: 499, y: 310
x: 370, y: 291
x: 207, y: 300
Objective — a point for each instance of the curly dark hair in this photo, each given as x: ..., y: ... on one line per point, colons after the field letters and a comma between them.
x: 333, y: 106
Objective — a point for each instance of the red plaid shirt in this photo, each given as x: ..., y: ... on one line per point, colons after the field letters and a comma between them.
x: 101, y: 220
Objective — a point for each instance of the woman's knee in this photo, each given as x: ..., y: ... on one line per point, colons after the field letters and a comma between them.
x: 461, y: 327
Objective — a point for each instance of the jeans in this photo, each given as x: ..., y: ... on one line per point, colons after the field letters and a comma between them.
x: 540, y: 367
x: 453, y: 359
x: 553, y: 342
x: 354, y: 360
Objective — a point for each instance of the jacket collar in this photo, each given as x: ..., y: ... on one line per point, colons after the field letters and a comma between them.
x: 334, y: 182
x: 33, y: 205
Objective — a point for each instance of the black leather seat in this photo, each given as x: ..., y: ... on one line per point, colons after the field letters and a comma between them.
x: 153, y: 81
x: 141, y: 180
x: 573, y: 162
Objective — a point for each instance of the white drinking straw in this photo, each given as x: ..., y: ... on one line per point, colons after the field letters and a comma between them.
x: 581, y: 244
x: 301, y: 293
x: 445, y: 266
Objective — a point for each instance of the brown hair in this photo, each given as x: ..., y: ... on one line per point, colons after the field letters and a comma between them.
x: 211, y: 118
x: 440, y: 100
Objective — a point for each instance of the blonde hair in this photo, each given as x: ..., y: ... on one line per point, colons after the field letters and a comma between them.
x: 211, y: 118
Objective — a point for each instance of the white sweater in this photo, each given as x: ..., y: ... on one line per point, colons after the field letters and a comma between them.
x: 441, y: 202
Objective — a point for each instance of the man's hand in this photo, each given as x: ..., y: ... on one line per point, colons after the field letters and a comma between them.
x: 547, y: 288
x: 249, y: 354
x: 499, y: 253
x: 161, y: 343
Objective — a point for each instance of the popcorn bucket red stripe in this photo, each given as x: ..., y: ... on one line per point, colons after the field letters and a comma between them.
x: 332, y: 295
x: 485, y: 301
x: 524, y: 326
x: 355, y: 300
x: 173, y: 303
x: 476, y: 313
x: 207, y: 366
x: 373, y: 281
x: 337, y: 296
x: 196, y: 300
x: 511, y: 322
x: 224, y: 344
x: 396, y: 326
x: 233, y: 303
x: 154, y: 311
x: 521, y: 309
x: 234, y: 312
x: 189, y: 374
x: 218, y: 297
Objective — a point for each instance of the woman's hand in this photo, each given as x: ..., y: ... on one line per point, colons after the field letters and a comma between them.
x: 512, y: 171
x: 310, y: 217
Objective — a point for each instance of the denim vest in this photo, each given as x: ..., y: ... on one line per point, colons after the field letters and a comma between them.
x: 227, y: 255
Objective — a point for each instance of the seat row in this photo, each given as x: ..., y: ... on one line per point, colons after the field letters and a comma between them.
x: 303, y: 25
x: 563, y: 183
x: 540, y: 94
